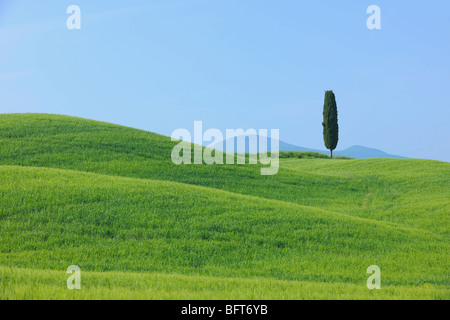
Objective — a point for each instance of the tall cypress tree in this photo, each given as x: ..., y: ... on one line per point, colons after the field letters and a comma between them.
x: 330, y: 122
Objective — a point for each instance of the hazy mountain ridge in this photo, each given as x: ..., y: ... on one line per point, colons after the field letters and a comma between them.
x: 356, y: 151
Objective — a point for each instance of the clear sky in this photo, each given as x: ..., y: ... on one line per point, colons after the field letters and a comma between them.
x: 159, y: 65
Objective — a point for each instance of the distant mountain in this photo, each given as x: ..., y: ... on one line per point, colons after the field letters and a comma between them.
x: 284, y: 146
x: 358, y: 152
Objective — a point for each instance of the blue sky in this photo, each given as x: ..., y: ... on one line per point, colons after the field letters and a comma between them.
x: 159, y: 65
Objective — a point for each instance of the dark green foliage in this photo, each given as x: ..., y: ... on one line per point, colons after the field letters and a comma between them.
x: 330, y: 122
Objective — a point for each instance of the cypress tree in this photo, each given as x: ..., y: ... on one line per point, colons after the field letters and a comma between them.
x: 330, y: 122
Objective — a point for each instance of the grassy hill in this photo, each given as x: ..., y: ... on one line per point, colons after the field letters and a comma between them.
x: 108, y: 199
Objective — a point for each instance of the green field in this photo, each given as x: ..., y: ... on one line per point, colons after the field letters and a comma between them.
x: 108, y: 199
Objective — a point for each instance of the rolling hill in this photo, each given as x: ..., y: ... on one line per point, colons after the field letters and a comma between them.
x: 108, y: 199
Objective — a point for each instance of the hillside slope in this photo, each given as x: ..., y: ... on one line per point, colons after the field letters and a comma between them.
x: 385, y: 190
x: 52, y: 218
x: 109, y: 199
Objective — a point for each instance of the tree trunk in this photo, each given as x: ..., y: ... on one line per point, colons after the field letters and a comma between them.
x: 331, y: 154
